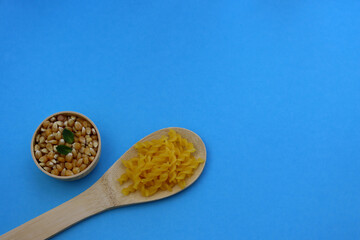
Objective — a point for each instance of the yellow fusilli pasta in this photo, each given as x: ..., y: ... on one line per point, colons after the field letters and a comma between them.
x: 160, y: 165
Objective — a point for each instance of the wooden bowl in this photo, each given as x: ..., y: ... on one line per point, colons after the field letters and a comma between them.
x: 78, y: 175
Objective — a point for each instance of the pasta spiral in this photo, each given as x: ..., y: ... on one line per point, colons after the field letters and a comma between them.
x: 160, y: 165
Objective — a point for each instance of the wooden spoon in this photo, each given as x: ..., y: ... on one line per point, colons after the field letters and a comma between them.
x: 103, y: 195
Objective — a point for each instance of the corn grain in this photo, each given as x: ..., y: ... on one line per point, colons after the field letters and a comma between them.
x: 86, y: 160
x: 82, y: 139
x: 49, y: 164
x: 58, y: 166
x: 36, y: 147
x: 50, y: 137
x: 44, y: 150
x: 85, y: 123
x: 46, y: 123
x: 54, y: 141
x: 76, y: 170
x: 68, y: 165
x: 88, y: 139
x: 92, y: 152
x: 54, y: 127
x: 78, y: 126
x: 60, y: 123
x: 82, y: 167
x: 47, y: 133
x: 79, y: 162
x: 87, y: 151
x: 77, y: 145
x: 49, y: 147
x: 71, y: 122
x: 55, y: 172
x: 74, y: 153
x: 50, y: 155
x: 57, y: 135
x: 38, y: 154
x: 60, y: 118
x: 69, y: 157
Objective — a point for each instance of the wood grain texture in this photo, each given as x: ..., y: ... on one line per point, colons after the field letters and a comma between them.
x: 103, y: 195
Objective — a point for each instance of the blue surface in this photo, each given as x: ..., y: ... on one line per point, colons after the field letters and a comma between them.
x: 272, y: 87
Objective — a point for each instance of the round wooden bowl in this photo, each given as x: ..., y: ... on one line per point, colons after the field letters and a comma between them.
x: 78, y: 175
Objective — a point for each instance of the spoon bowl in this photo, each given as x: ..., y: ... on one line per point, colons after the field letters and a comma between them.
x: 103, y: 195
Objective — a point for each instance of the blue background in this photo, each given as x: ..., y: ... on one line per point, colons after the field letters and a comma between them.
x: 272, y: 87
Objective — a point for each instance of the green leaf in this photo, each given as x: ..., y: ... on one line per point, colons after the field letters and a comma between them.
x: 63, y: 149
x: 68, y: 136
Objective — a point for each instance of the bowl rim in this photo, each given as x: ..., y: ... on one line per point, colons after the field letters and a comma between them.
x: 78, y: 175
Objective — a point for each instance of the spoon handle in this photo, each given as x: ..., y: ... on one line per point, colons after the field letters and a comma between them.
x: 88, y: 203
